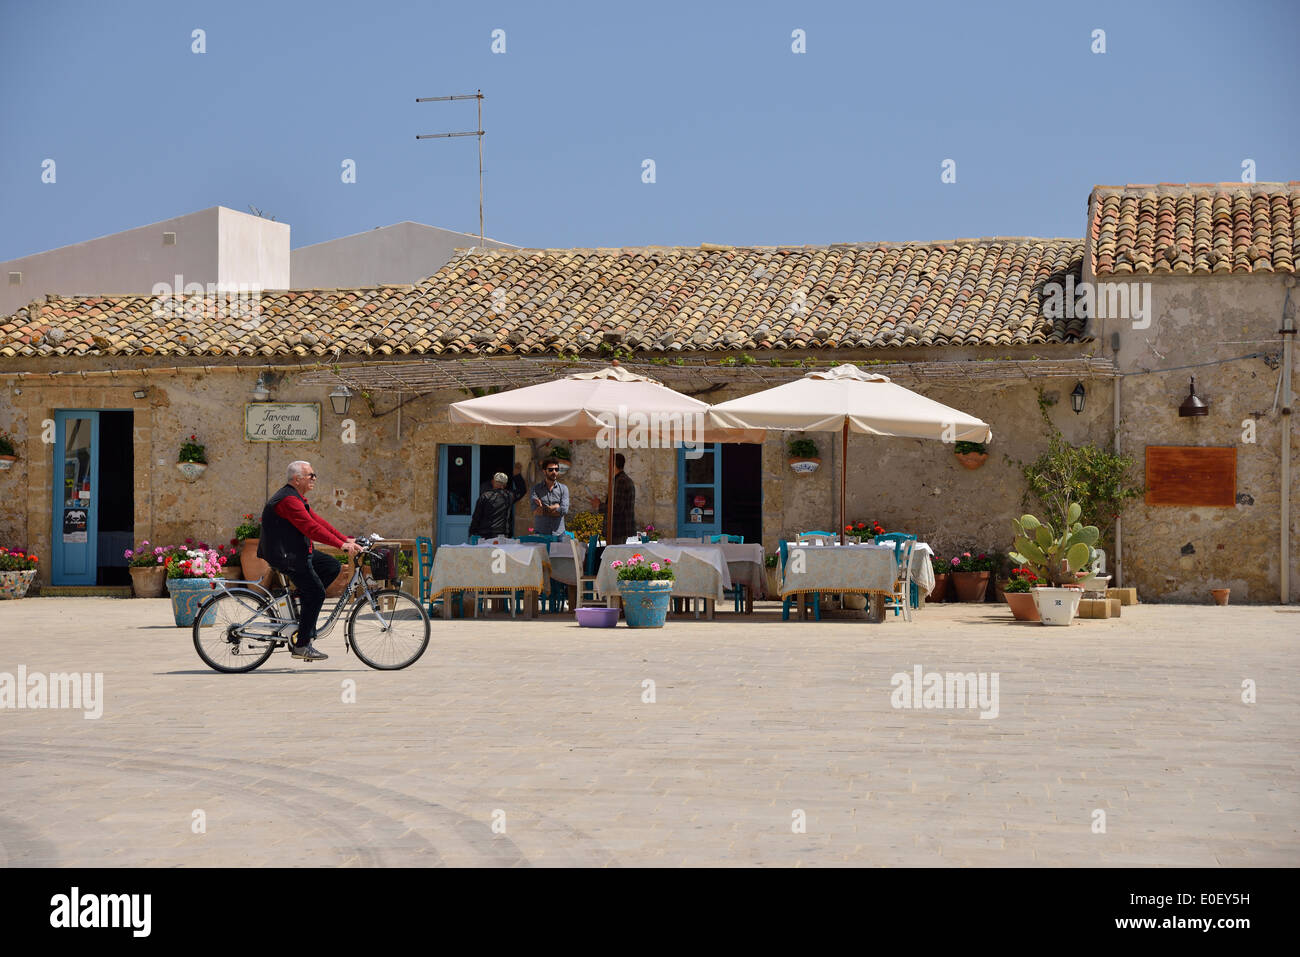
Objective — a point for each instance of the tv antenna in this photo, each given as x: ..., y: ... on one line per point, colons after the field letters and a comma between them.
x: 476, y: 95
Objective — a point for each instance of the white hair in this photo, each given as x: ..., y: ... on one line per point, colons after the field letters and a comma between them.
x: 298, y: 468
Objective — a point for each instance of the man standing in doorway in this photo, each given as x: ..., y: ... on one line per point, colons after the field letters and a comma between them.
x: 550, y: 500
x: 494, y: 512
x: 624, y: 503
x: 289, y: 526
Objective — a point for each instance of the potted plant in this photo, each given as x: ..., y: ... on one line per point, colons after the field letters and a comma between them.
x: 942, y: 578
x: 649, y: 534
x: 803, y: 456
x: 646, y: 588
x: 1018, y: 594
x: 193, y: 459
x: 191, y: 577
x: 8, y: 454
x: 970, y: 454
x: 772, y: 570
x: 228, y: 558
x: 248, y: 534
x: 148, y: 569
x: 863, y: 531
x: 1060, y: 560
x: 970, y: 575
x: 17, y: 569
x: 584, y: 525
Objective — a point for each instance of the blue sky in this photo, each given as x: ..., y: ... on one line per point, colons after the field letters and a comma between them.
x: 752, y: 143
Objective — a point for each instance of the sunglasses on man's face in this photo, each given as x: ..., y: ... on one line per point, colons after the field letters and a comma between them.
x: 552, y: 470
x: 310, y: 475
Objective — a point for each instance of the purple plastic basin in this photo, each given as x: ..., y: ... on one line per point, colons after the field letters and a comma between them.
x: 597, y: 617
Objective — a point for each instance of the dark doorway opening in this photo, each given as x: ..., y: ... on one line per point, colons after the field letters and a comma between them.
x: 116, y: 496
x: 493, y: 459
x: 742, y: 491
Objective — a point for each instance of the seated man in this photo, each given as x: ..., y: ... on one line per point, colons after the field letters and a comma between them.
x: 289, y: 526
x: 494, y: 512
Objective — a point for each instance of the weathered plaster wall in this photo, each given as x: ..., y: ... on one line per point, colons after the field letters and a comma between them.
x: 1179, y: 553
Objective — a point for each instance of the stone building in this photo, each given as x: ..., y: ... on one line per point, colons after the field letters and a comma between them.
x: 983, y: 325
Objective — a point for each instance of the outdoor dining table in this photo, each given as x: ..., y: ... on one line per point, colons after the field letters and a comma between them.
x: 700, y: 571
x: 841, y: 570
x: 493, y: 568
x: 561, y: 554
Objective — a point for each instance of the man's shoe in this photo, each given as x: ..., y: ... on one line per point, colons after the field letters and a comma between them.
x: 307, y: 652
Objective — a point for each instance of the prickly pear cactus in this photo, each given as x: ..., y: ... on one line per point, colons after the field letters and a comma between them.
x: 1054, y: 558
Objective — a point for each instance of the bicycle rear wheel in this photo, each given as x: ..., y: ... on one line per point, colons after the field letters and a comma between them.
x: 217, y: 635
x: 394, y: 640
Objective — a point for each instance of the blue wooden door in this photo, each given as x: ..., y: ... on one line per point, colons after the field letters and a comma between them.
x: 699, y: 491
x: 74, y: 559
x: 457, y: 492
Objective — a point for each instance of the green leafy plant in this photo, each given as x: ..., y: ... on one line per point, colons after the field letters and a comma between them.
x: 803, y: 449
x: 961, y: 448
x: 637, y: 569
x: 1022, y: 579
x: 192, y: 451
x: 1099, y: 480
x: 561, y: 452
x: 1056, y: 558
x: 250, y: 527
x: 6, y: 443
x: 975, y: 562
x: 17, y: 561
x: 771, y: 559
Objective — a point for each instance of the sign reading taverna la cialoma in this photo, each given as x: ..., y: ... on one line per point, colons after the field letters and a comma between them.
x: 282, y: 421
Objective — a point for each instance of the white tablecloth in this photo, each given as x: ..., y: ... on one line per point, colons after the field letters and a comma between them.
x: 562, y: 561
x: 701, y: 570
x: 745, y: 564
x: 479, y: 567
x: 848, y: 569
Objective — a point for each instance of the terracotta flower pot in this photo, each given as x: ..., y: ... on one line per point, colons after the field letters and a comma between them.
x: 1022, y: 605
x: 940, y: 588
x: 1220, y: 595
x: 970, y: 586
x: 148, y: 581
x: 254, y: 568
x: 972, y: 460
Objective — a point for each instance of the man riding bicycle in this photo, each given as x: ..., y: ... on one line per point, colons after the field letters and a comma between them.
x: 289, y: 526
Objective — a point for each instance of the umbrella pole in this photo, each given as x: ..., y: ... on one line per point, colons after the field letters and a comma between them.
x: 609, y: 500
x: 844, y: 471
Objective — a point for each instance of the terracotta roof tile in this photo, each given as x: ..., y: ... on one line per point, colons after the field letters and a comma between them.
x: 1195, y: 229
x: 711, y: 298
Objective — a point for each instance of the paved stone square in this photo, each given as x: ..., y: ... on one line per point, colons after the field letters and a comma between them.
x: 544, y: 725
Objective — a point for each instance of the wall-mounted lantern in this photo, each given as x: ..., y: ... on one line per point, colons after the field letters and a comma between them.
x: 1077, y: 398
x: 340, y: 398
x: 261, y: 391
x: 1192, y: 405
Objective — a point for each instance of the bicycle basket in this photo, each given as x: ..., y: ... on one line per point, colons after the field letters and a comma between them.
x: 383, y: 564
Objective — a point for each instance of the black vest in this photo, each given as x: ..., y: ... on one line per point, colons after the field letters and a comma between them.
x: 282, y: 545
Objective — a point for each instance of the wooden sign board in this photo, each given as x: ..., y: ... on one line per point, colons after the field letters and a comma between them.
x: 1191, y: 475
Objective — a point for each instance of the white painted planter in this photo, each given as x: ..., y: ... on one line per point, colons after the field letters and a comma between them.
x: 1056, y: 606
x: 563, y: 464
x: 191, y: 471
x: 804, y: 466
x: 7, y: 462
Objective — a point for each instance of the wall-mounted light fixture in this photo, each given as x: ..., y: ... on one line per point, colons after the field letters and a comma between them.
x: 141, y: 393
x: 1077, y: 398
x: 1192, y: 405
x: 261, y: 391
x: 340, y: 398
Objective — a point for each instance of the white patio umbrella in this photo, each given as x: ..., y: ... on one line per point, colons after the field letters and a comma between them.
x: 846, y: 399
x: 620, y: 407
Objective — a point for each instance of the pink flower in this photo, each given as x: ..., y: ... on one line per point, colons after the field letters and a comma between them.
x: 530, y: 531
x: 127, y: 553
x: 654, y: 566
x: 615, y: 564
x: 956, y: 561
x: 965, y: 555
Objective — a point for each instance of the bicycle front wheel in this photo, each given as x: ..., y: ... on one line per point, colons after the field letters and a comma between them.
x: 219, y: 637
x: 395, y: 637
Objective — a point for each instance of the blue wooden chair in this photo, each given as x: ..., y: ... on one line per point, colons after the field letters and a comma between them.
x: 896, y: 539
x: 737, y: 590
x: 424, y: 576
x: 785, y: 602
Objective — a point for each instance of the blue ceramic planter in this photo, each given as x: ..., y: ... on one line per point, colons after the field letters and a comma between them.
x: 645, y: 604
x: 187, y: 595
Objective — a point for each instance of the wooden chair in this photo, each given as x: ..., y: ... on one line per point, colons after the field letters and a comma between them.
x: 584, y: 590
x: 901, y: 599
x: 914, y: 593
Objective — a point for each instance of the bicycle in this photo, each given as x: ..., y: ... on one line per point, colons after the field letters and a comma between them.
x: 240, y: 627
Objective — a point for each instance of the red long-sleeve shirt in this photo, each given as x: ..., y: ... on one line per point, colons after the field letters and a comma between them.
x: 295, y: 511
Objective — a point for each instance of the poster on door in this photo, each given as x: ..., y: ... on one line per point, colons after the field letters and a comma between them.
x: 74, y: 526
